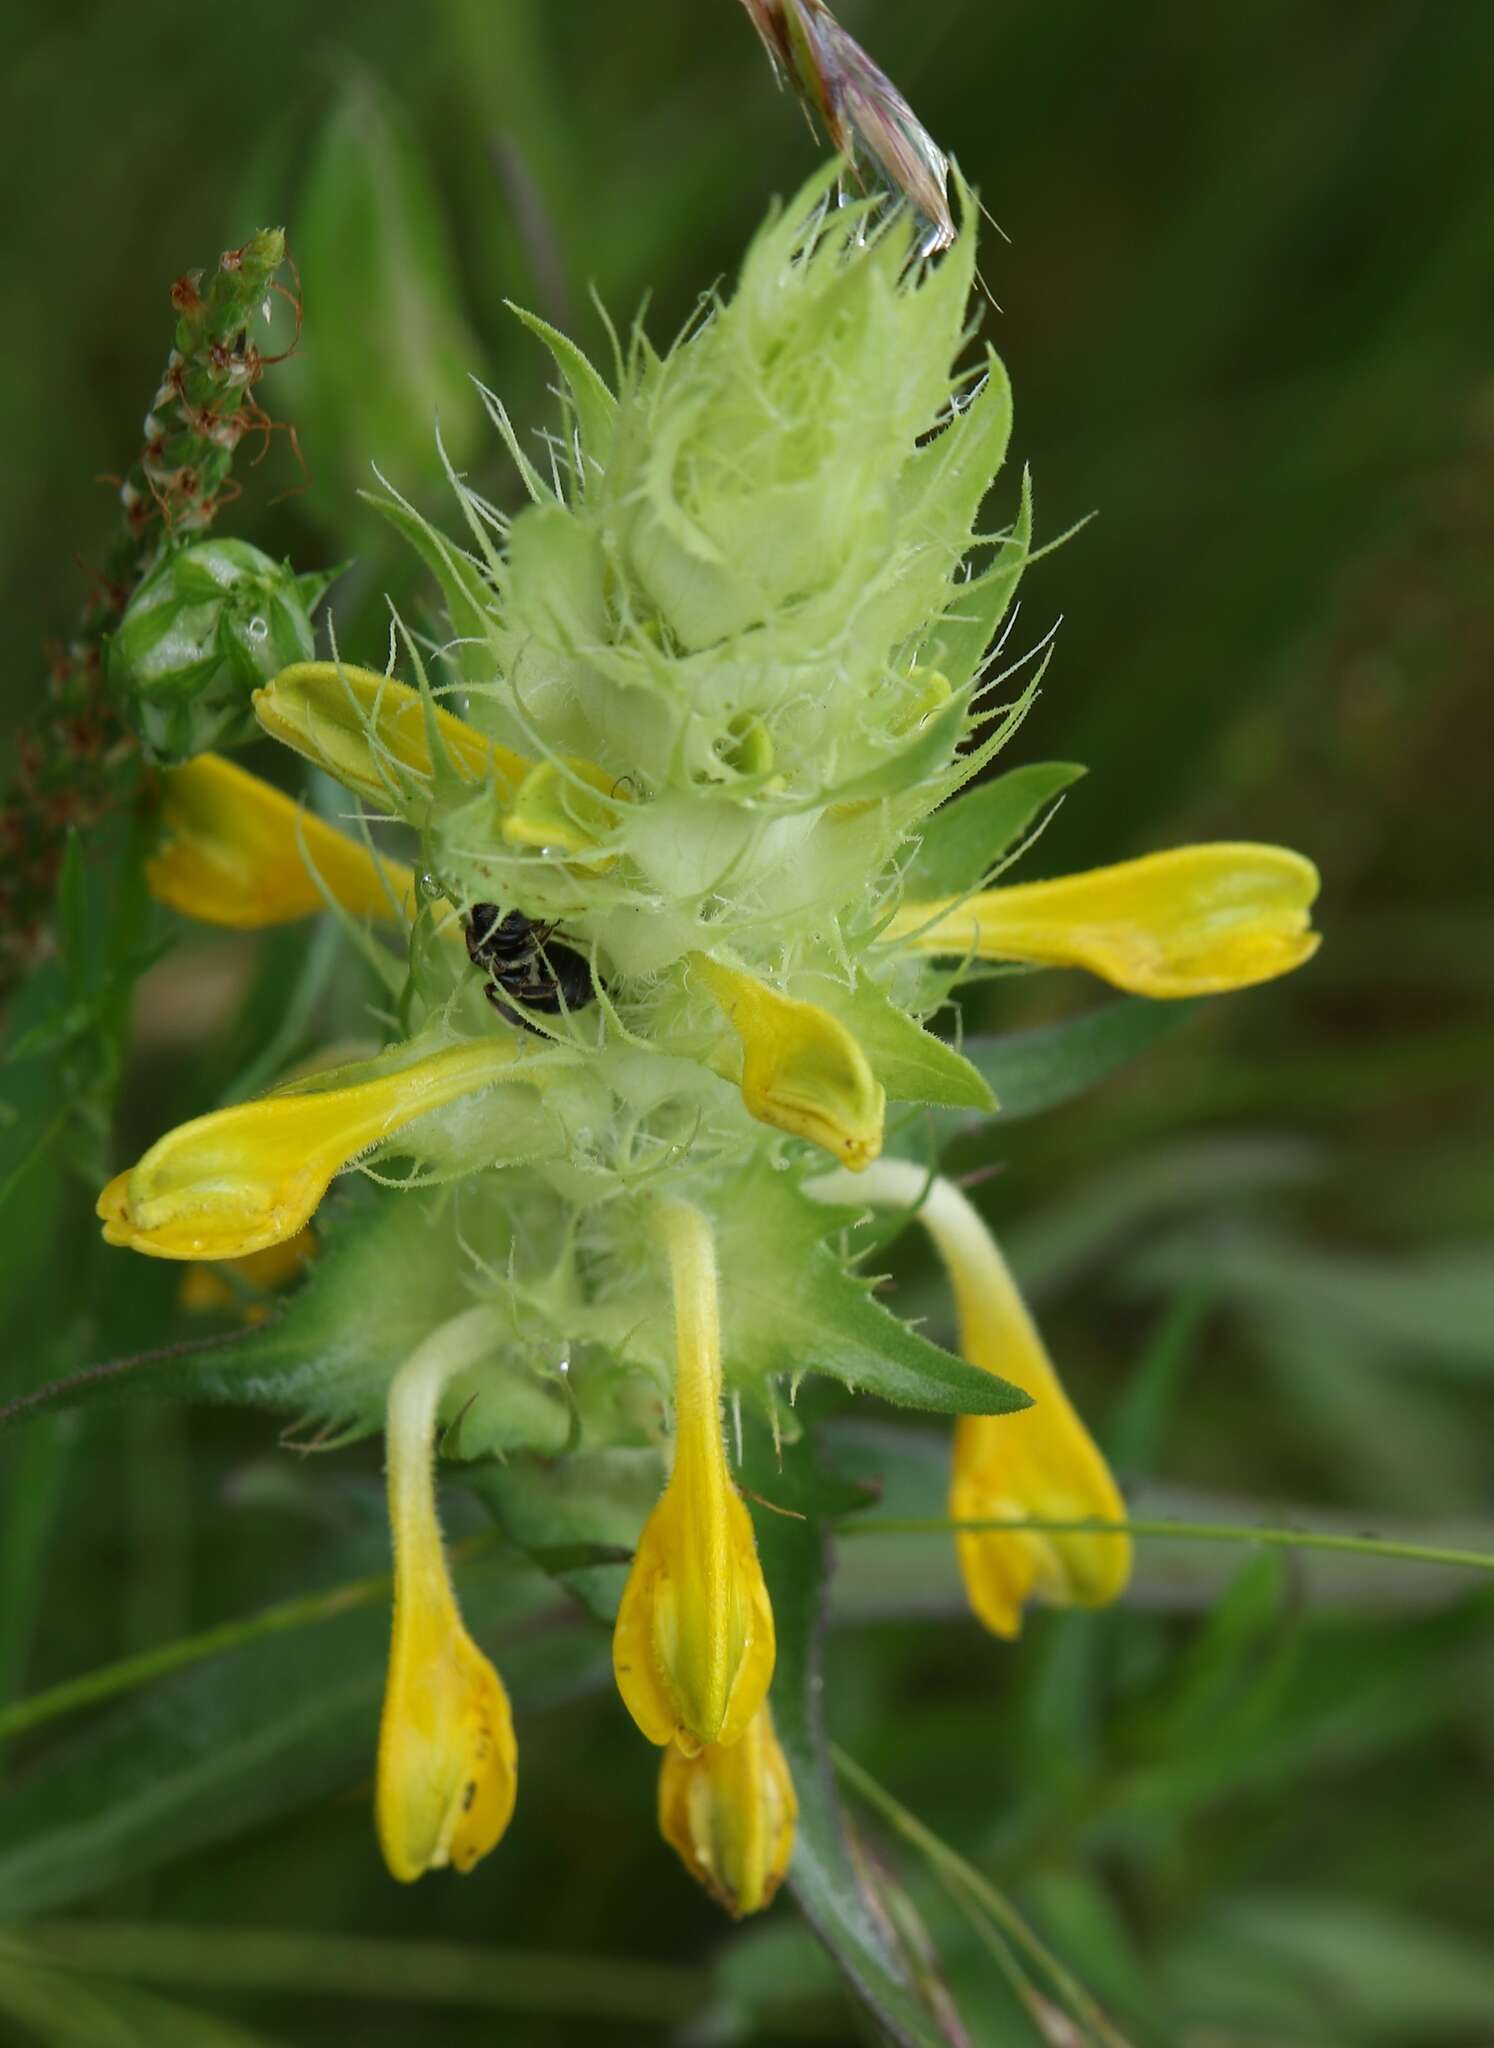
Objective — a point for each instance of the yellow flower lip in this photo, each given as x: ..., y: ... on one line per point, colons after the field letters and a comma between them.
x: 729, y: 1814
x: 1197, y: 920
x: 693, y: 1648
x: 237, y: 851
x: 448, y: 1763
x: 371, y: 731
x: 567, y: 806
x: 240, y: 1179
x: 802, y: 1071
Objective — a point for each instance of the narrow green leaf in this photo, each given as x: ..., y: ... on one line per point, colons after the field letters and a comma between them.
x: 964, y: 838
x: 1031, y: 1071
x: 389, y: 350
x: 221, y: 1749
x: 823, y: 1878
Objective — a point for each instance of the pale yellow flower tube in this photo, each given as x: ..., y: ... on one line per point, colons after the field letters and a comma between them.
x: 448, y: 1763
x: 1040, y: 1463
x: 802, y: 1071
x: 237, y: 851
x: 239, y: 1179
x: 693, y: 1648
x: 1192, y: 922
x: 729, y: 1814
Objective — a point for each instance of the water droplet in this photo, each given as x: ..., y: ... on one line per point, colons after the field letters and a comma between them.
x: 259, y: 629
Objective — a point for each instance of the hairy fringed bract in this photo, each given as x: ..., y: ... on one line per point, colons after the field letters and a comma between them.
x: 702, y: 726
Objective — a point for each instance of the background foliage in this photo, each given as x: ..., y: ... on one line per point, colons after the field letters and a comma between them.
x: 1245, y: 305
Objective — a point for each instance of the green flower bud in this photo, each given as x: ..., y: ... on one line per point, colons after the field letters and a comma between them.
x: 206, y: 628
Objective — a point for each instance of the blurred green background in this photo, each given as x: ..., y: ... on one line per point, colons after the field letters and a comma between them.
x: 1247, y: 303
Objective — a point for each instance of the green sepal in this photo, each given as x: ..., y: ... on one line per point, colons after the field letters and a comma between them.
x: 910, y: 1062
x: 964, y: 838
x: 555, y: 575
x: 594, y: 405
x: 922, y: 756
x: 958, y: 643
x: 469, y: 600
x: 790, y: 1305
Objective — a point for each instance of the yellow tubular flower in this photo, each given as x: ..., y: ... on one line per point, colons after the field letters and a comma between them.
x: 448, y: 1764
x: 1192, y: 922
x: 802, y: 1071
x: 240, y: 1179
x: 1041, y: 1462
x: 693, y: 1648
x: 730, y: 1813
x: 365, y: 728
x: 236, y: 851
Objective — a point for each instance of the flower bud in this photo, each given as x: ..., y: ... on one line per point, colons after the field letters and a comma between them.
x: 206, y: 628
x: 729, y: 1814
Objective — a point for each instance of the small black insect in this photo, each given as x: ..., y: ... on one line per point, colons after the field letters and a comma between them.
x: 527, y: 963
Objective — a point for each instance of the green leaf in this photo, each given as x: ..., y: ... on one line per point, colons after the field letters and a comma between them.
x: 389, y: 350
x: 1031, y: 1071
x: 598, y: 1498
x: 267, y: 1729
x: 57, y: 2006
x: 389, y: 1272
x: 793, y: 1307
x: 823, y: 1877
x: 1439, y: 1306
x: 964, y: 838
x: 910, y: 1062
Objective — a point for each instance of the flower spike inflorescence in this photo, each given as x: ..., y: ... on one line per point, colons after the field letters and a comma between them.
x: 710, y: 699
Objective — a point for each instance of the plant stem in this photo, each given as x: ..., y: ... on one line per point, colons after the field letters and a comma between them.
x: 1189, y: 1532
x: 132, y: 1672
x: 433, y: 1972
x: 966, y: 1884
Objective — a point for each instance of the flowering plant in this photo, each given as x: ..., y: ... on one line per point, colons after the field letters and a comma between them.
x: 701, y: 852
